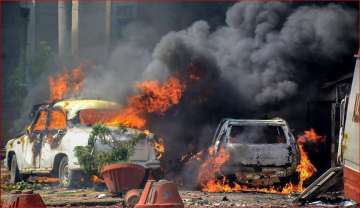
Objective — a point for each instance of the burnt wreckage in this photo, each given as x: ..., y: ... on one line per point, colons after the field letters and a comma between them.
x: 262, y: 152
x: 48, y: 143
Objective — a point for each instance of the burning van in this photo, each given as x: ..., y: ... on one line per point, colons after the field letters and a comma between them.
x: 262, y: 152
x: 47, y: 146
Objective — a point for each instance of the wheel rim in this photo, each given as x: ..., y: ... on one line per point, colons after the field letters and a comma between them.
x: 64, y: 174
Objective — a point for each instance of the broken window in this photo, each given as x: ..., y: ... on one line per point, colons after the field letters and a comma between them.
x: 40, y: 123
x: 257, y: 135
x: 94, y: 116
x: 57, y: 120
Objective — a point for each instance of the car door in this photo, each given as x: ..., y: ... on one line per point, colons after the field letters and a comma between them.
x: 34, y: 139
x: 55, y: 131
x: 220, y: 138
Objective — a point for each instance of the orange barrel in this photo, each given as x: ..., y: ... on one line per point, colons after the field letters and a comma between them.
x: 120, y: 177
x: 160, y: 194
x: 24, y: 199
x: 132, y: 197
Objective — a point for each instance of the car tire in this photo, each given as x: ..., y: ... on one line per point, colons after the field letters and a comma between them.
x: 67, y: 177
x: 14, y: 170
x: 70, y: 178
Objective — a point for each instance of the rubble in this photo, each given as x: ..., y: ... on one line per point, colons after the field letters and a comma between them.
x: 100, y: 196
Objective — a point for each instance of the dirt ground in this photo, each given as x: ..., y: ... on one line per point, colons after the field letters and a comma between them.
x: 60, y: 197
x: 55, y: 196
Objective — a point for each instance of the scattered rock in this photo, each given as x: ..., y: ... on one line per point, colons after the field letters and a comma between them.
x: 15, y: 192
x: 101, y: 196
x: 27, y: 191
x: 225, y: 198
x: 51, y: 192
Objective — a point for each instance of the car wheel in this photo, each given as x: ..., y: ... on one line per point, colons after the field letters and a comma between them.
x: 14, y: 170
x: 69, y: 178
x: 64, y: 172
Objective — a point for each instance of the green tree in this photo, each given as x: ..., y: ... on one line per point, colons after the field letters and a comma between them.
x: 92, y: 160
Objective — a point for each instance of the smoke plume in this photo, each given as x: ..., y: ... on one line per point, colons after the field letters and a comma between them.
x: 265, y: 61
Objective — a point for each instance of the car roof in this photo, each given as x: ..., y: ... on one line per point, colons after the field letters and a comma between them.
x: 275, y: 121
x: 73, y: 106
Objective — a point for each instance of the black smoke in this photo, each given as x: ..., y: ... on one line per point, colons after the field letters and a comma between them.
x: 267, y: 61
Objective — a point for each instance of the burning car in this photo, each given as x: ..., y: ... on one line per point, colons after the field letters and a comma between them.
x: 262, y: 152
x: 47, y: 146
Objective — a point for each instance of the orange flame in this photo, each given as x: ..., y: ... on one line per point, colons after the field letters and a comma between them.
x: 159, y: 147
x: 66, y: 83
x: 310, y: 136
x: 212, y: 166
x: 96, y: 180
x: 57, y: 121
x: 305, y: 169
x: 152, y: 97
x: 41, y: 121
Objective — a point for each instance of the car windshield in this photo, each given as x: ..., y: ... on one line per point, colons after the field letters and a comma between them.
x: 96, y: 116
x: 257, y: 134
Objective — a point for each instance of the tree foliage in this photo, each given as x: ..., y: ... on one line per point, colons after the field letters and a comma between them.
x: 92, y: 160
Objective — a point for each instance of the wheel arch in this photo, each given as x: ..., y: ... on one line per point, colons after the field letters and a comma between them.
x: 9, y: 157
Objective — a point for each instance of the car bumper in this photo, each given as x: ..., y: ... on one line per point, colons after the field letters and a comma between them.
x: 259, y: 176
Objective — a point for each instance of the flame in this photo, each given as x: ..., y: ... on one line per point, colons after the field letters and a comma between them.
x: 212, y: 167
x: 147, y: 132
x: 66, y: 83
x: 152, y: 97
x: 77, y: 80
x: 41, y: 121
x: 224, y: 185
x: 305, y: 169
x: 58, y: 86
x: 57, y: 121
x: 159, y: 147
x: 310, y: 136
x: 96, y: 180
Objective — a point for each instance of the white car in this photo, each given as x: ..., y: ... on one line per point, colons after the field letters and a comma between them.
x: 47, y: 145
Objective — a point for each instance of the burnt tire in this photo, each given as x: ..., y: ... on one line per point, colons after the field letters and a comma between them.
x: 14, y: 171
x: 68, y: 178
